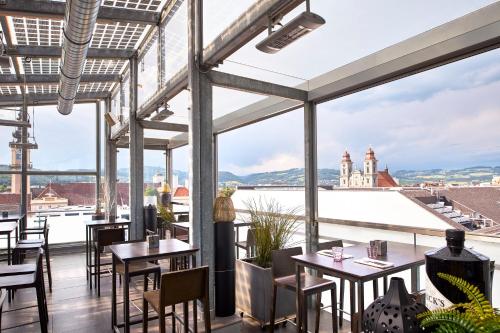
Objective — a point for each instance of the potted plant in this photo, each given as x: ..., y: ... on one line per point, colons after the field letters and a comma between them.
x: 273, y: 227
x: 476, y: 316
x: 150, y: 196
x: 165, y: 218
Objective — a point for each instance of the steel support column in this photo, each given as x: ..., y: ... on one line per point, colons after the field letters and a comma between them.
x: 136, y: 151
x: 169, y: 172
x: 97, y: 153
x: 110, y: 161
x: 200, y: 146
x: 161, y: 56
x: 24, y: 166
x: 216, y: 164
x: 122, y: 99
x: 311, y: 177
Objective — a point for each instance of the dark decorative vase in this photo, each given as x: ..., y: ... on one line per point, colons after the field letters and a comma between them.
x: 395, y: 312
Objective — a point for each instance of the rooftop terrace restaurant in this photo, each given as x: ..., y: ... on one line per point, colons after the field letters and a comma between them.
x: 150, y: 72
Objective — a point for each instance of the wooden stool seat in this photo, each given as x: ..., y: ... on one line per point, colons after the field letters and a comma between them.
x: 17, y: 281
x: 308, y: 283
x: 17, y: 269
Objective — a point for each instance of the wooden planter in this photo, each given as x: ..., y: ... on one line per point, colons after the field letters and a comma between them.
x: 254, y: 288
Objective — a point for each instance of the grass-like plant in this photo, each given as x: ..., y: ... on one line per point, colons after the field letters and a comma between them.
x: 273, y: 225
x: 476, y: 316
x: 166, y: 215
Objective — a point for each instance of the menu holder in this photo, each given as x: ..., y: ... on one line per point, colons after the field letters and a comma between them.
x: 374, y: 263
x: 329, y: 253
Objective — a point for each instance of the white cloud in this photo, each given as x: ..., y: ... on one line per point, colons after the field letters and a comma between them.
x: 274, y: 163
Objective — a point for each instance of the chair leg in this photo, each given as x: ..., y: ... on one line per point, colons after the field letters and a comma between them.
x: 318, y: 312
x: 146, y: 282
x: 185, y: 306
x: 341, y: 303
x: 47, y: 262
x: 173, y: 318
x: 304, y: 310
x: 41, y: 312
x: 273, y: 309
x: 298, y: 316
x: 98, y: 273
x: 334, y: 309
x: 144, y: 315
x: 161, y: 318
x: 206, y: 315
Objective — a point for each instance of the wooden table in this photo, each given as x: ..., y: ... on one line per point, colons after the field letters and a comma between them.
x: 403, y: 256
x: 186, y: 225
x: 133, y: 252
x: 94, y: 225
x: 6, y: 228
x: 11, y: 218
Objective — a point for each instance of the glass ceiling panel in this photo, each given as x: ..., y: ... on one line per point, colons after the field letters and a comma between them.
x: 117, y: 36
x: 36, y: 31
x: 9, y: 90
x: 151, y: 5
x: 92, y: 66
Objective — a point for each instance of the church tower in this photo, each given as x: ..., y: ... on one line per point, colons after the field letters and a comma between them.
x: 370, y: 169
x: 345, y: 169
x: 16, y: 160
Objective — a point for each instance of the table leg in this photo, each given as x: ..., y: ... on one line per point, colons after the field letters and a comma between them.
x: 113, y: 293
x: 361, y: 305
x: 87, y: 251
x: 8, y: 249
x: 193, y: 261
x: 415, y: 279
x: 126, y: 308
x: 375, y: 288
x: 352, y: 300
x: 297, y: 298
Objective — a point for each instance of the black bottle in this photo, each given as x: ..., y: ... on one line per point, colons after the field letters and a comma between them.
x: 459, y: 261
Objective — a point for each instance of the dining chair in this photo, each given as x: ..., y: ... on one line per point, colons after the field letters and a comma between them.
x: 283, y: 273
x: 27, y: 245
x: 140, y: 268
x: 175, y: 288
x: 248, y: 245
x: 37, y: 231
x: 21, y: 277
x: 104, y: 237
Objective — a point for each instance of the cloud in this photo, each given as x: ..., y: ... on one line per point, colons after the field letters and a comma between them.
x: 274, y: 163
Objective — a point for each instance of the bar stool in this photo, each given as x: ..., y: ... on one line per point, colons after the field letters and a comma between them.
x: 179, y: 287
x: 21, y: 277
x: 25, y: 245
x: 283, y: 272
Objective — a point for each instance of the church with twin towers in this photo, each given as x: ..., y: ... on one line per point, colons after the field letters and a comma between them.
x: 368, y: 177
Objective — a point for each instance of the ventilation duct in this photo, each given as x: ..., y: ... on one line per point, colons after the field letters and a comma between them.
x: 79, y: 22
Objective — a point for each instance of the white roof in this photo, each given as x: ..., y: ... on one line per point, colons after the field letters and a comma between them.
x: 386, y: 207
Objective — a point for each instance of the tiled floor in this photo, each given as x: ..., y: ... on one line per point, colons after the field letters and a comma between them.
x: 73, y: 307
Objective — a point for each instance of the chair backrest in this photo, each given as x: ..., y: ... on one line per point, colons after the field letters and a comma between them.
x: 106, y: 237
x: 283, y: 264
x: 250, y: 243
x: 328, y: 245
x: 183, y: 286
x: 39, y: 265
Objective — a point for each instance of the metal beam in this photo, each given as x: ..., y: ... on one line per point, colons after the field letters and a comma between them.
x: 55, y: 52
x: 8, y: 40
x: 311, y: 177
x: 60, y: 173
x: 47, y: 99
x: 12, y: 79
x: 55, y: 10
x: 98, y: 152
x: 156, y: 125
x: 136, y: 159
x: 200, y: 147
x: 240, y: 32
x: 161, y: 115
x: 14, y: 123
x: 231, y: 81
x: 110, y: 162
x: 463, y: 37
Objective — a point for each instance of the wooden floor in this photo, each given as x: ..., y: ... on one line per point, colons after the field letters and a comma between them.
x: 73, y: 307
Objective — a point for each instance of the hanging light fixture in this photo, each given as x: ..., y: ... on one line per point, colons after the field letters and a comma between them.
x: 301, y: 25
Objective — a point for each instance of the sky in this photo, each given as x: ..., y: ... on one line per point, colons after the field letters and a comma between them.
x: 443, y: 118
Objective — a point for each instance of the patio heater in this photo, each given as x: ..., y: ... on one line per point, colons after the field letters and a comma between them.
x: 298, y: 27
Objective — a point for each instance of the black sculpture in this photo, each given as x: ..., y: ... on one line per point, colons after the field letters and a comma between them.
x: 395, y: 312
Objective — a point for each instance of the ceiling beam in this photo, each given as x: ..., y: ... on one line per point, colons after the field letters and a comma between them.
x: 14, y: 123
x: 56, y: 9
x: 463, y: 37
x: 12, y: 79
x: 157, y: 125
x: 231, y: 81
x: 48, y: 99
x: 55, y: 52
